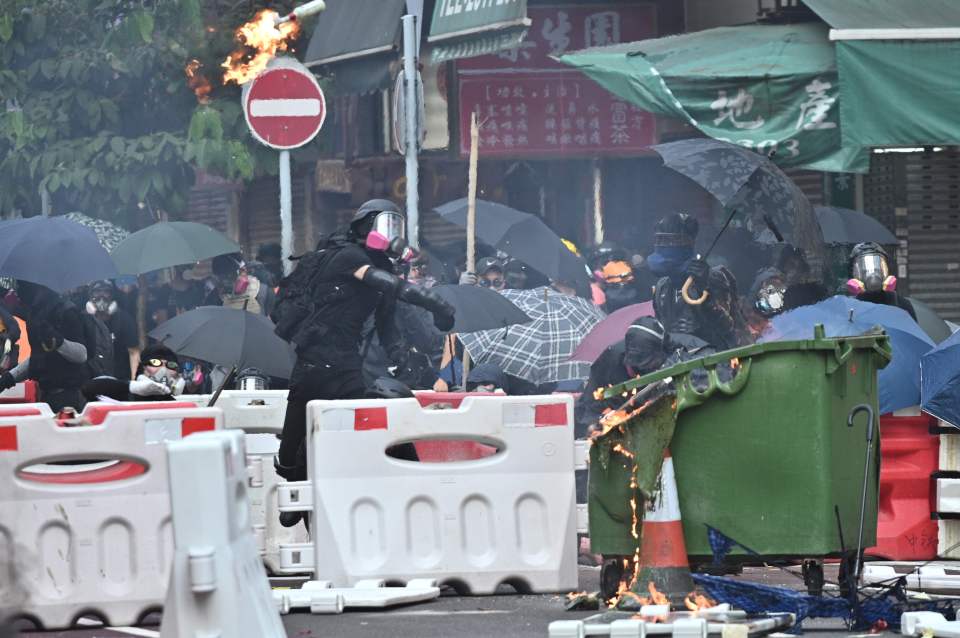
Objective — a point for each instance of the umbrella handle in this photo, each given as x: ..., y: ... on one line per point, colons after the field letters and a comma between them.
x: 685, y: 293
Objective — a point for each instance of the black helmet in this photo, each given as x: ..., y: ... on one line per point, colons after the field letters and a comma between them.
x: 868, y: 248
x: 373, y: 207
x: 606, y: 252
x: 388, y: 388
x: 676, y: 229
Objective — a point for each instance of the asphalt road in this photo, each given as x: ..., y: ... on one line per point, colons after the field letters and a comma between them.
x: 498, y: 616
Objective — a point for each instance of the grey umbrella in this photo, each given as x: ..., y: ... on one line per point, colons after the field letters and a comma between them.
x: 228, y: 337
x: 480, y: 308
x: 846, y: 226
x: 768, y: 203
x: 930, y: 321
x: 169, y: 244
x: 53, y: 252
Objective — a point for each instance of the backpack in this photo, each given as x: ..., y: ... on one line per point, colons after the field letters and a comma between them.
x: 99, y: 346
x: 299, y: 298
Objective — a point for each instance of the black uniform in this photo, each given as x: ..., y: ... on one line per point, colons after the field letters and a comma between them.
x: 718, y: 321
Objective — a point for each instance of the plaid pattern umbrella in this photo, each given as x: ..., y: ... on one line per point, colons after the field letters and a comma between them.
x: 538, y: 351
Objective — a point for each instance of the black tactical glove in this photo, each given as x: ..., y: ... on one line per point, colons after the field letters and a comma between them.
x: 49, y: 338
x: 699, y: 269
x: 7, y: 381
x: 444, y: 316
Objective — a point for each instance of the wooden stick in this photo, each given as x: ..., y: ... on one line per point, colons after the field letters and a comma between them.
x: 472, y: 217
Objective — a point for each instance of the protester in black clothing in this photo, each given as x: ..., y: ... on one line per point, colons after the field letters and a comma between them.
x: 57, y: 342
x: 270, y: 255
x: 644, y: 349
x: 9, y: 336
x: 349, y: 278
x: 870, y: 278
x: 158, y: 379
x: 717, y: 320
x: 123, y: 329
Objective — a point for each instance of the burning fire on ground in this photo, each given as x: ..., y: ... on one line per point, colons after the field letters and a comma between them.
x: 262, y: 38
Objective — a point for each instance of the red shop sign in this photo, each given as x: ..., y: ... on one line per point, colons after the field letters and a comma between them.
x: 532, y: 105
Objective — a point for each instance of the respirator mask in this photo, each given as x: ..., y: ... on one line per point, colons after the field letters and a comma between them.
x: 101, y: 305
x: 770, y: 300
x: 388, y: 235
x: 871, y: 274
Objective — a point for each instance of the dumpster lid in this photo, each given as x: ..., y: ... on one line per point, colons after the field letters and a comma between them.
x: 841, y: 347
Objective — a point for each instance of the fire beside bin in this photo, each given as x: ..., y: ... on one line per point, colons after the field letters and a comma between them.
x: 767, y: 458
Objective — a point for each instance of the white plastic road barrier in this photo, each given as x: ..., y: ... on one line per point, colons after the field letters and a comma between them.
x: 218, y: 585
x: 260, y: 414
x: 948, y: 496
x: 509, y: 517
x: 730, y: 624
x: 581, y: 463
x: 320, y: 597
x: 25, y: 392
x: 928, y: 623
x: 92, y: 538
x: 933, y: 577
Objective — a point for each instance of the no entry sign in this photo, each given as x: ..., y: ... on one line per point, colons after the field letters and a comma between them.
x: 284, y: 105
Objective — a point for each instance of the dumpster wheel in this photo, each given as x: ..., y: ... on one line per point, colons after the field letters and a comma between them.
x: 813, y: 576
x: 613, y: 571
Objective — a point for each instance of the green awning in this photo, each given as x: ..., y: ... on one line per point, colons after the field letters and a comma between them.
x: 355, y: 41
x: 899, y: 71
x: 465, y: 29
x: 773, y: 88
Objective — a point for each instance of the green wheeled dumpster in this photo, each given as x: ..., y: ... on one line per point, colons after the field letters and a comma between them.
x: 761, y: 448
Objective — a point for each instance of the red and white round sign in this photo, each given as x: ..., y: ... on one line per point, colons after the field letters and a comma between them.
x: 284, y: 105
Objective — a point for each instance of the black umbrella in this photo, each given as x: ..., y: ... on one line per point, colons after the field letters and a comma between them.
x: 768, y: 203
x: 169, y: 244
x: 228, y: 337
x: 524, y: 237
x: 480, y: 308
x: 846, y: 226
x: 53, y: 252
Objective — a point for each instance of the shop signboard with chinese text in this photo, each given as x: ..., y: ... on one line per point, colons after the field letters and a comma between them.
x: 531, y: 105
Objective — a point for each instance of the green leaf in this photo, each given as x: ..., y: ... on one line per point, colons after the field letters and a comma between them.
x: 145, y: 25
x: 16, y: 122
x: 118, y: 145
x: 48, y: 67
x: 6, y: 27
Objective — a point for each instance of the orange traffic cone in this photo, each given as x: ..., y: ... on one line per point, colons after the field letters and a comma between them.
x: 663, y: 552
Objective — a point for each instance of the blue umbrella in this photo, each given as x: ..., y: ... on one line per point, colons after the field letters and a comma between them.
x: 53, y: 252
x: 846, y: 317
x: 940, y: 381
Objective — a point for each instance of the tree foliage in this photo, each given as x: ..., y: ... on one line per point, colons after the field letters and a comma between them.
x: 95, y: 107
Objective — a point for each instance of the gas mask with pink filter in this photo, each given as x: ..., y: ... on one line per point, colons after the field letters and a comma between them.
x: 870, y: 271
x: 388, y: 235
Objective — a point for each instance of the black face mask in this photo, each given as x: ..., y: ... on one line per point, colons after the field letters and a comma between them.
x: 620, y: 297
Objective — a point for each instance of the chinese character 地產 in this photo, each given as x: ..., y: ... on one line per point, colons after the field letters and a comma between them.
x: 731, y: 108
x: 601, y: 29
x: 557, y: 34
x: 814, y: 111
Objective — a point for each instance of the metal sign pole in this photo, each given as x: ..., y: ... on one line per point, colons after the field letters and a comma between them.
x: 412, y: 110
x: 286, y: 212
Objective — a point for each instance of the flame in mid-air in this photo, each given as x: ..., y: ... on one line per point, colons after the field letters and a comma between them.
x: 695, y: 602
x: 261, y: 39
x: 197, y: 81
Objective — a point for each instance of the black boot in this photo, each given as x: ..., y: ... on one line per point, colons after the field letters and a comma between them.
x: 291, y: 473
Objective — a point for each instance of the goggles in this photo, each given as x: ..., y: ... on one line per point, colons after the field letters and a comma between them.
x: 160, y: 363
x: 491, y: 283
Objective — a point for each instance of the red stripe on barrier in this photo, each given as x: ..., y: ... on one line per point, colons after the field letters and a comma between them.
x: 118, y: 472
x: 97, y: 414
x: 550, y: 414
x: 197, y: 424
x: 8, y: 438
x: 19, y: 412
x: 370, y: 419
